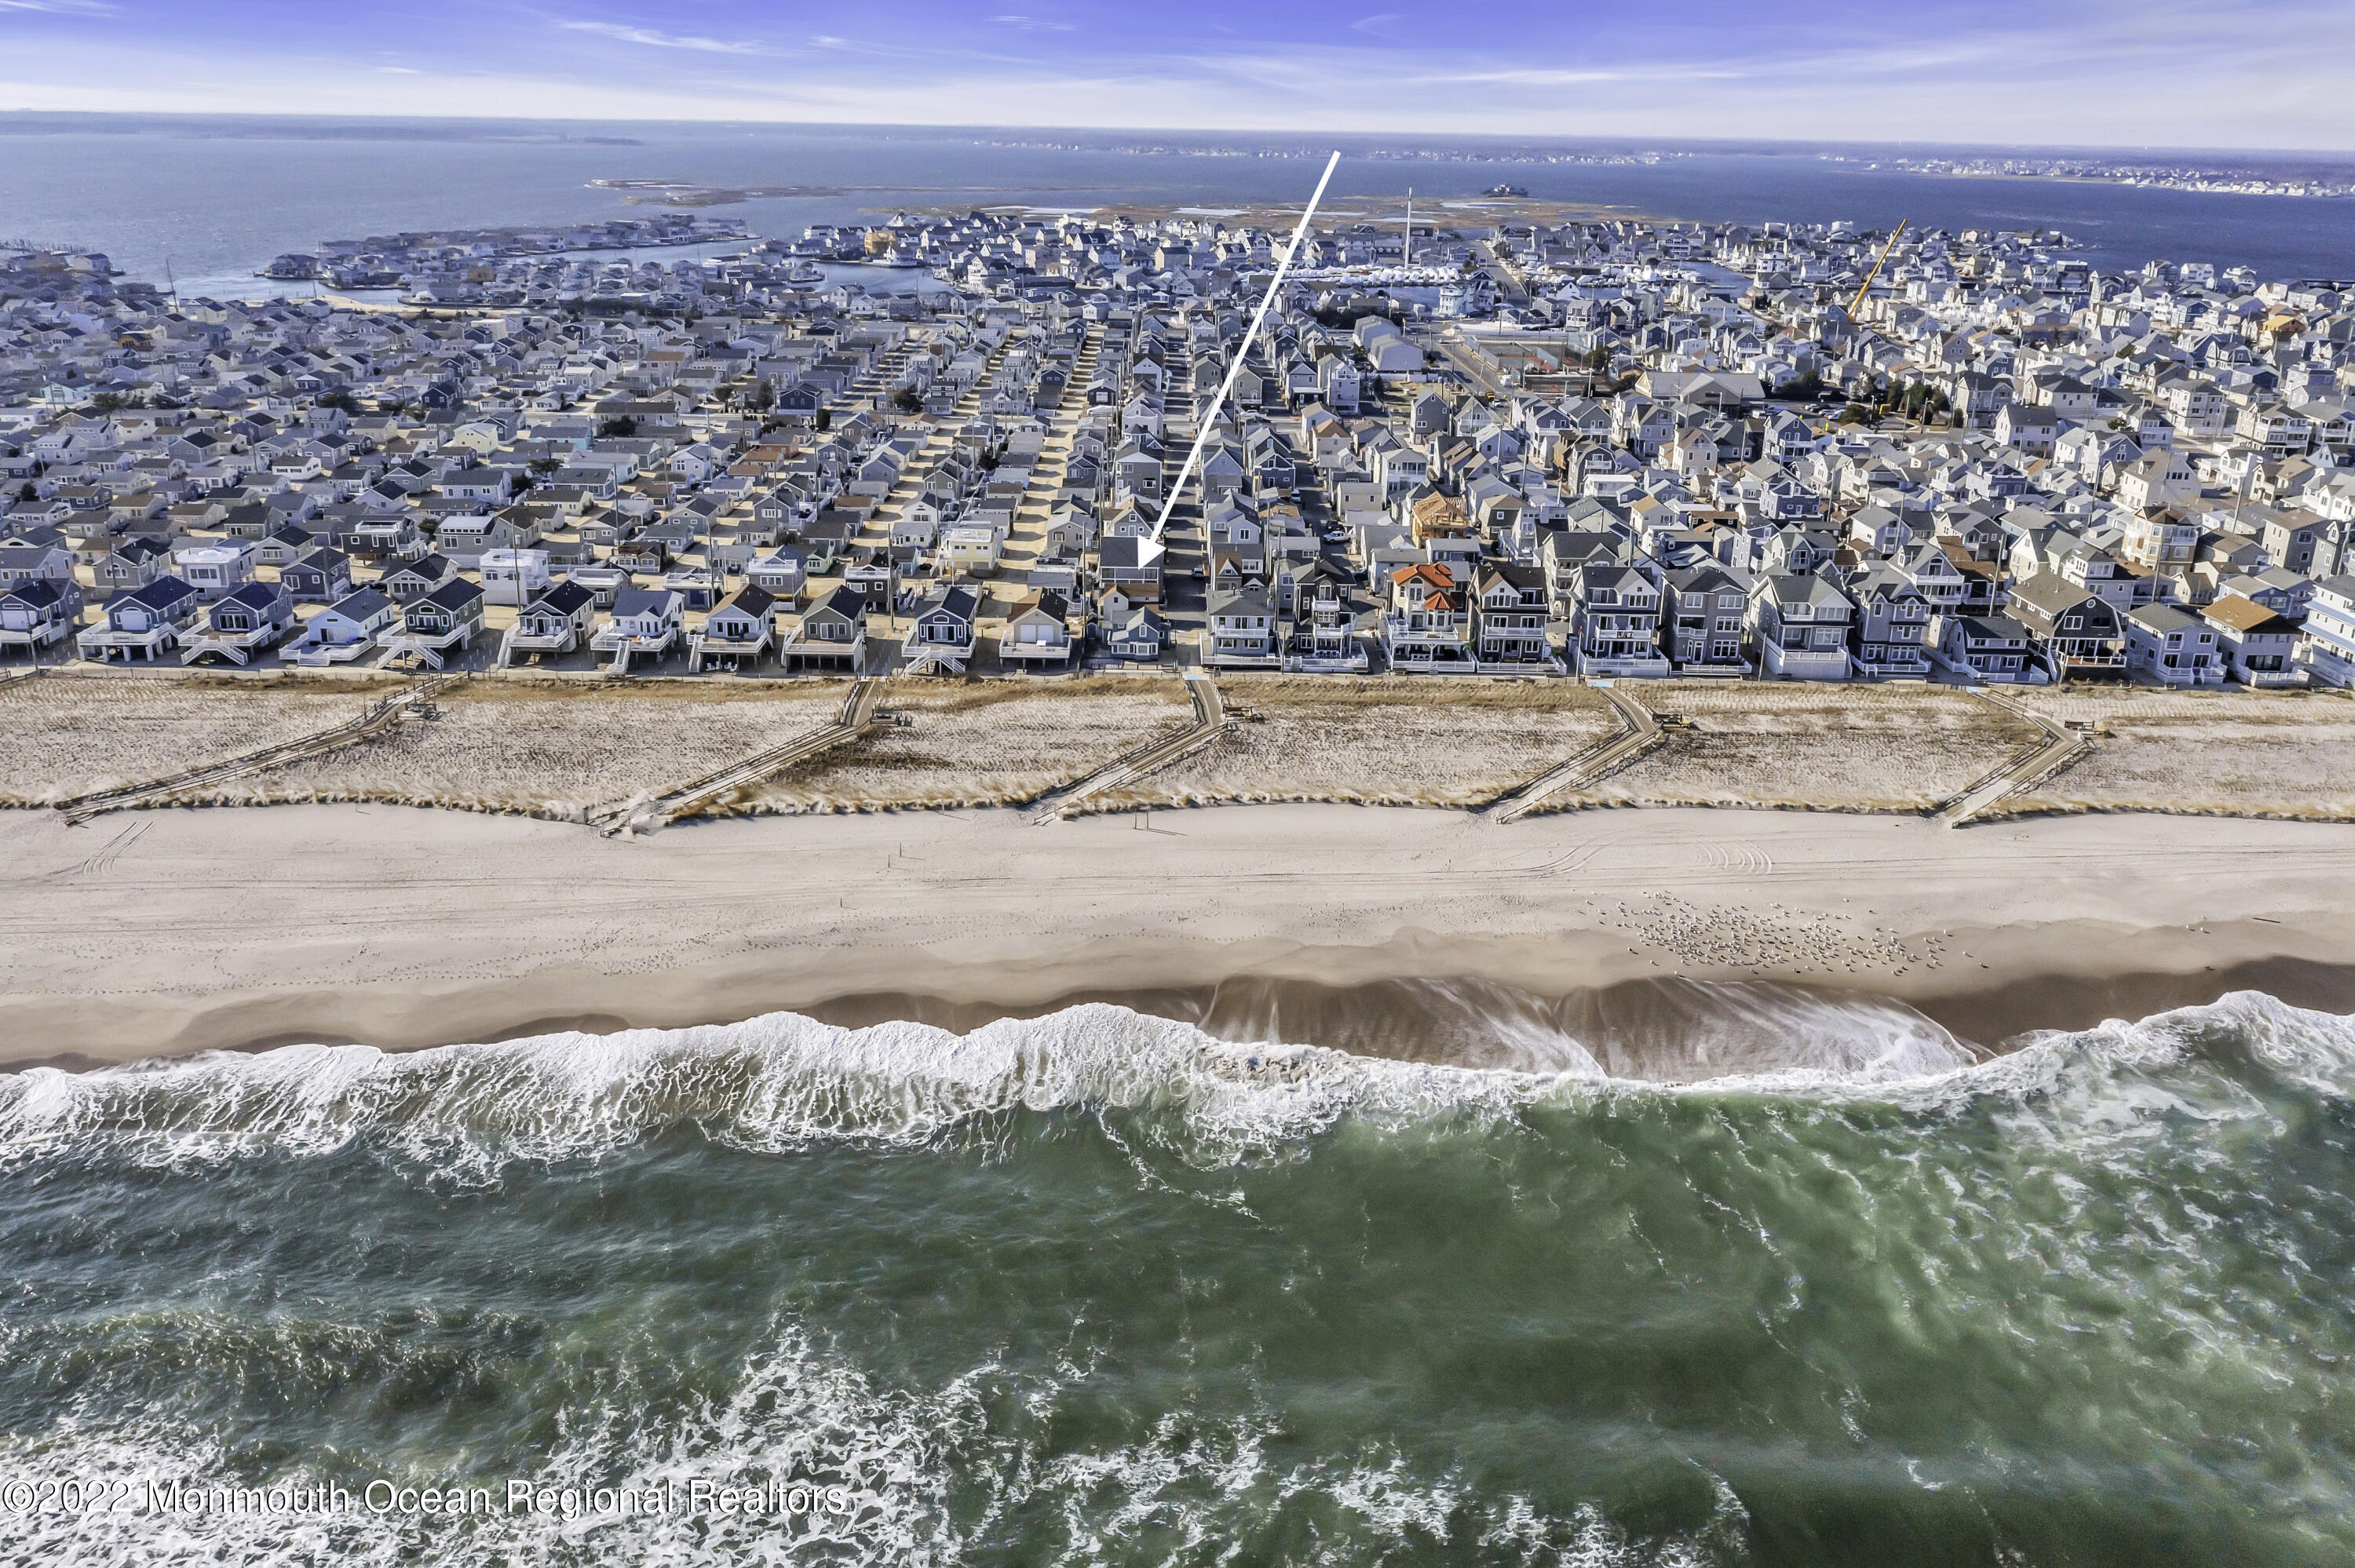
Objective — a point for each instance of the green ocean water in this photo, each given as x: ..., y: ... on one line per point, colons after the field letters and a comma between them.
x: 1096, y: 1288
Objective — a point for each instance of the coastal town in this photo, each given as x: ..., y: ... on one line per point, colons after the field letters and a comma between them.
x: 1485, y: 439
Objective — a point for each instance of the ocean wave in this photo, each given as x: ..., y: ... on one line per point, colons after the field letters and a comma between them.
x: 910, y: 1478
x: 781, y: 1081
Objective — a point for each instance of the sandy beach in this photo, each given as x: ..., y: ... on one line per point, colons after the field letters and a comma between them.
x: 161, y: 932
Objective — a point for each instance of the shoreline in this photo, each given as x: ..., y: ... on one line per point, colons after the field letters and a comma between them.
x: 388, y: 925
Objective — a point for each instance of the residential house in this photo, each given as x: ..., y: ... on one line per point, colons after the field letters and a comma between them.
x: 555, y: 622
x: 645, y: 624
x: 2328, y: 647
x: 2074, y: 633
x: 243, y: 622
x: 435, y: 624
x: 1427, y: 625
x: 941, y: 641
x: 2172, y: 647
x: 831, y: 635
x: 1799, y: 622
x: 1990, y: 648
x: 1510, y: 620
x: 740, y: 630
x: 2259, y: 647
x: 38, y: 614
x: 143, y: 621
x: 321, y: 577
x: 1702, y: 619
x: 1889, y: 637
x: 346, y: 629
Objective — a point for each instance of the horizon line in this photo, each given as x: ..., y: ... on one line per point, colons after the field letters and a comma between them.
x: 2339, y: 153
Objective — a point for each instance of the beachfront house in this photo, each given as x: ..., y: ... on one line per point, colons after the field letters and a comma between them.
x: 1615, y: 627
x: 831, y: 635
x: 1701, y: 616
x: 2259, y: 647
x: 1426, y: 625
x: 38, y: 614
x: 346, y: 629
x: 437, y: 625
x: 554, y: 623
x: 1510, y: 620
x: 2073, y: 633
x: 1038, y: 632
x: 249, y: 619
x: 1800, y: 622
x: 1990, y: 648
x: 643, y: 625
x: 143, y: 622
x: 1241, y: 629
x: 2326, y: 648
x: 740, y: 630
x: 941, y: 641
x: 2173, y: 646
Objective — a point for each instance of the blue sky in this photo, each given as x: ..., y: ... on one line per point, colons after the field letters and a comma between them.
x: 2222, y: 73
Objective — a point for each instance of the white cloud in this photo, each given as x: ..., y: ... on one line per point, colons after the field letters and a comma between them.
x: 651, y: 38
x: 1031, y: 24
x: 60, y: 7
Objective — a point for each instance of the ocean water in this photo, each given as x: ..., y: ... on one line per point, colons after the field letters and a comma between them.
x: 214, y: 198
x: 1099, y: 1288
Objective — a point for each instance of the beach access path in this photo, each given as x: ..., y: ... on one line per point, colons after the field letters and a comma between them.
x: 403, y: 926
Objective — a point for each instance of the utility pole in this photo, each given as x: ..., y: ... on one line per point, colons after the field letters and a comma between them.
x: 1406, y: 255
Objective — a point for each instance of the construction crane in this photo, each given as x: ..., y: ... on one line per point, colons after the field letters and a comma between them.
x: 1866, y: 287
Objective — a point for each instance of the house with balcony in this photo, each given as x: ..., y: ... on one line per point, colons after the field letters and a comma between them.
x: 831, y: 635
x: 643, y: 625
x: 1038, y: 632
x: 1995, y: 648
x: 1132, y: 564
x: 941, y: 641
x: 1799, y: 623
x: 554, y: 623
x: 1512, y: 620
x: 346, y: 629
x: 1426, y: 624
x: 2259, y: 647
x: 143, y: 622
x: 2172, y: 647
x: 1701, y: 620
x: 738, y: 630
x: 1242, y: 633
x: 1316, y: 630
x: 2327, y: 647
x: 1891, y: 633
x: 1614, y: 623
x: 437, y: 625
x: 2074, y: 634
x: 38, y: 614
x: 247, y: 619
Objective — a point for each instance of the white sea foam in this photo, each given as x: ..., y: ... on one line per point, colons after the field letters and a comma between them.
x: 798, y: 1416
x: 781, y: 1081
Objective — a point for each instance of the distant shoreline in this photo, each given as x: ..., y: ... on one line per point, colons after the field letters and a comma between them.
x: 228, y: 929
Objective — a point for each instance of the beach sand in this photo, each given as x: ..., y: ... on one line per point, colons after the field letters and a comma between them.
x: 167, y: 931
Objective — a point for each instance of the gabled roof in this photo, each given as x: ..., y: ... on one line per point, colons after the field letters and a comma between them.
x: 456, y: 594
x: 161, y: 594
x: 646, y: 602
x: 566, y: 598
